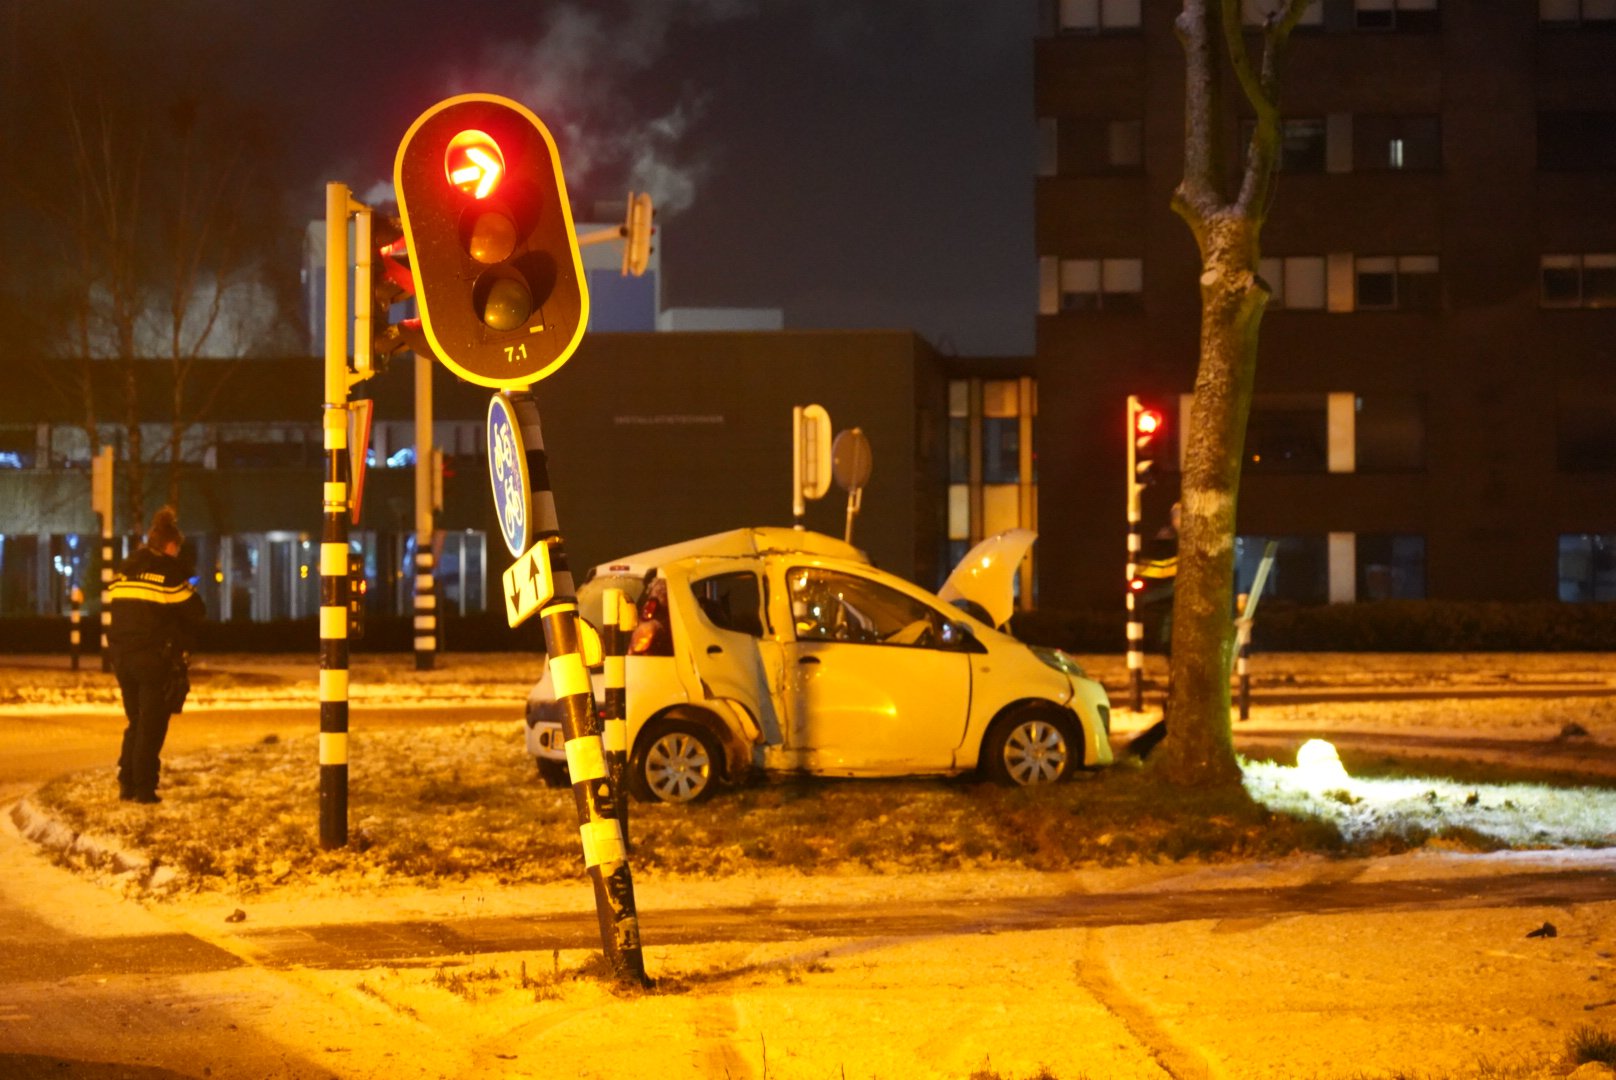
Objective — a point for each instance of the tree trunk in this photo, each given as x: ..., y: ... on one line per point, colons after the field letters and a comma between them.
x: 1199, y: 749
x: 1227, y: 226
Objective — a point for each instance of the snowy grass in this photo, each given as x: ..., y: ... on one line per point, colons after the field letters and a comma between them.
x: 451, y: 804
x: 1414, y: 809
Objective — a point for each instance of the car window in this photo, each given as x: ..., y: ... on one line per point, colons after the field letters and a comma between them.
x: 731, y: 601
x: 827, y: 605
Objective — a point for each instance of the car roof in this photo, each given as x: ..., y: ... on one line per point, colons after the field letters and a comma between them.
x: 763, y: 540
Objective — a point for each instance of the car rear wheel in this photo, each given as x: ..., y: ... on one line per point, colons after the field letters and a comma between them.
x: 1031, y: 744
x: 677, y: 762
x: 554, y: 773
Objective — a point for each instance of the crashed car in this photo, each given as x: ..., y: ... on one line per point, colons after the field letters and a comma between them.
x: 792, y: 654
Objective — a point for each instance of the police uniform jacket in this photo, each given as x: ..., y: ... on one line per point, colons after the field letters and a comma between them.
x: 153, y: 606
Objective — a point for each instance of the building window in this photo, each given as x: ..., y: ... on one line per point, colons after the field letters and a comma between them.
x: 1396, y: 282
x: 1102, y: 285
x: 1587, y: 567
x: 1576, y: 12
x: 1576, y: 141
x: 1296, y: 281
x: 1300, y: 574
x: 1095, y: 16
x: 1388, y: 434
x: 1303, y: 143
x: 1579, y: 281
x: 1089, y: 146
x: 1585, y: 432
x: 1408, y: 143
x: 1258, y: 12
x: 992, y: 475
x: 1390, y: 566
x: 1288, y: 433
x: 1413, y: 15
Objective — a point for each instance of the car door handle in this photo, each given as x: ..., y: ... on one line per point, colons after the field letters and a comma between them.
x: 808, y: 660
x: 714, y: 650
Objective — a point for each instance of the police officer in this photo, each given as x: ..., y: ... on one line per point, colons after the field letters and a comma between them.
x: 155, y: 616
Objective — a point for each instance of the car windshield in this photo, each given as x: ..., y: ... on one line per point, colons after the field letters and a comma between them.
x: 828, y: 605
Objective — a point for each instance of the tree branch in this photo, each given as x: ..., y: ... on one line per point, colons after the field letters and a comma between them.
x: 1262, y: 91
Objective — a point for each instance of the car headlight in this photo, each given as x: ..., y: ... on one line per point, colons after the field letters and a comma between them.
x: 1060, y: 661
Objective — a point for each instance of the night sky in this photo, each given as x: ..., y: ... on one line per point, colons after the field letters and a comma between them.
x: 855, y: 164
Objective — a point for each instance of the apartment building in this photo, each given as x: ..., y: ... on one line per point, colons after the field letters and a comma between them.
x: 1435, y: 409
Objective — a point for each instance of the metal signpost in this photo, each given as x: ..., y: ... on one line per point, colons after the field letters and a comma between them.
x: 1243, y: 622
x: 851, y: 462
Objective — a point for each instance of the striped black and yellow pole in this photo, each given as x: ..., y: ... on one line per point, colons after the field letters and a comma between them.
x: 334, y: 531
x: 426, y: 593
x: 597, y: 798
x: 75, y: 600
x: 616, y: 619
x: 1136, y: 628
x: 108, y: 565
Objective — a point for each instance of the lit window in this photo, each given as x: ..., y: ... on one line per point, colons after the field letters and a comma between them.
x: 1297, y: 281
x: 1587, y: 567
x: 1407, y: 143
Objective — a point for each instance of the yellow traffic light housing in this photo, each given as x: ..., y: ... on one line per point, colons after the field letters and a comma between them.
x: 498, y: 278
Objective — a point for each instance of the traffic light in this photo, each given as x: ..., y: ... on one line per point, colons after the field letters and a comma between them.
x: 358, y: 588
x: 1145, y: 426
x: 381, y: 281
x: 497, y: 275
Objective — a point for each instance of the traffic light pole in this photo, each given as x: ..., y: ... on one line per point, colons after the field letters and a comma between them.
x: 1136, y: 628
x: 616, y: 616
x: 426, y: 596
x: 598, y: 797
x: 334, y: 528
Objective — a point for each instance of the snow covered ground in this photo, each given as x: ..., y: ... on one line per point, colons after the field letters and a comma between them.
x: 1436, y: 978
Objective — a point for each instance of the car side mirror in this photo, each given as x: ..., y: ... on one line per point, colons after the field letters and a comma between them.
x: 956, y: 635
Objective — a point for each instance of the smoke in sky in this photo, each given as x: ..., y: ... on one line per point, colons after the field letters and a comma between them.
x: 597, y: 75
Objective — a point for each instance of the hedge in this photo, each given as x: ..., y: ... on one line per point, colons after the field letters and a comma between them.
x: 1383, y: 626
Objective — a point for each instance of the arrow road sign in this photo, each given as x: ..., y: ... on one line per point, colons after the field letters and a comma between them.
x: 528, y: 583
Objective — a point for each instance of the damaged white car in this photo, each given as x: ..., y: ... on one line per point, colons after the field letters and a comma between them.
x: 791, y: 653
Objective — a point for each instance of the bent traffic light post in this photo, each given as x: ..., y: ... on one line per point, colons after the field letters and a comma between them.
x: 498, y: 277
x: 500, y: 287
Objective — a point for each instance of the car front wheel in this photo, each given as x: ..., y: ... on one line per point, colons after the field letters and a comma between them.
x: 1032, y: 744
x: 678, y: 762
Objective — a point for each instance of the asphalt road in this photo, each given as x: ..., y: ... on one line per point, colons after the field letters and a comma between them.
x: 93, y: 987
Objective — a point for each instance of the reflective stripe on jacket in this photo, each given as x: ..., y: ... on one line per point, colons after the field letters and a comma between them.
x: 152, y: 604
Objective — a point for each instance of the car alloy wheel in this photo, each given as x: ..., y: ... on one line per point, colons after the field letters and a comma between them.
x: 679, y: 765
x: 1035, y: 753
x: 1035, y: 744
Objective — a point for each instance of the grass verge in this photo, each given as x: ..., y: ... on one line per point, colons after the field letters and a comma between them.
x: 453, y: 803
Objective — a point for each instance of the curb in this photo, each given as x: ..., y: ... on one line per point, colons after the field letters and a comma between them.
x: 138, y: 873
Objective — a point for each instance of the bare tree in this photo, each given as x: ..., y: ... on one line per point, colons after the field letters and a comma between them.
x: 151, y: 216
x: 1225, y: 213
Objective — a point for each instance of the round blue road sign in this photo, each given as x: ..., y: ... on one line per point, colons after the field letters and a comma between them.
x: 507, y: 470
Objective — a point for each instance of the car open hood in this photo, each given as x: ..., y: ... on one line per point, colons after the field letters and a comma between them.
x: 986, y: 577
